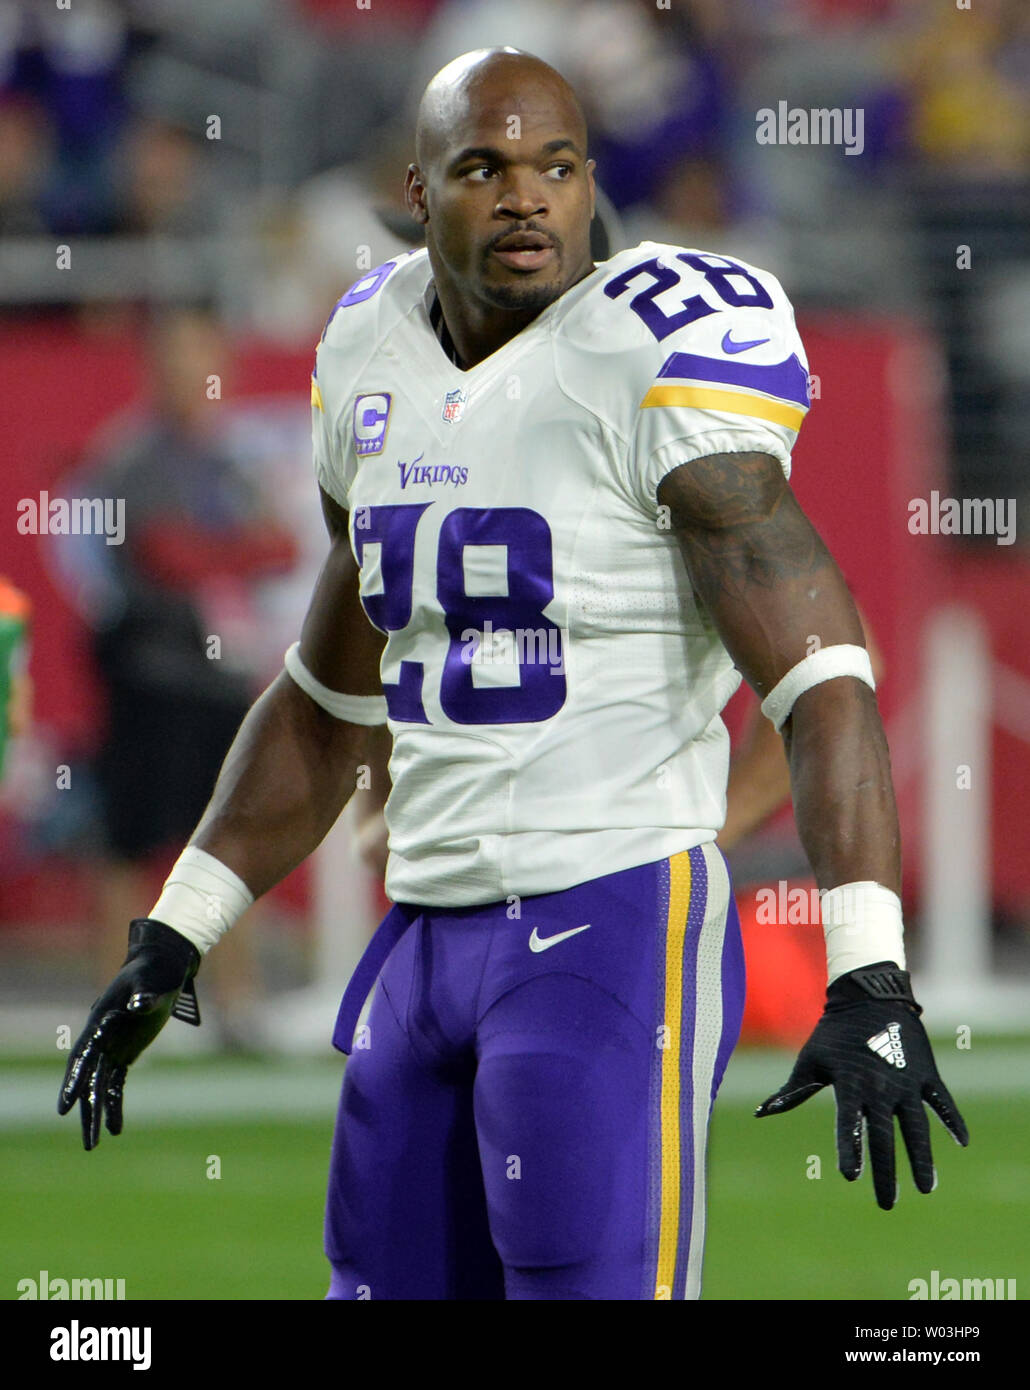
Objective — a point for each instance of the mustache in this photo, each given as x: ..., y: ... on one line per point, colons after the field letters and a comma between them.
x: 513, y: 230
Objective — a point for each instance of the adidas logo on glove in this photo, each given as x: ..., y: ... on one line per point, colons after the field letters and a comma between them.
x: 888, y: 1045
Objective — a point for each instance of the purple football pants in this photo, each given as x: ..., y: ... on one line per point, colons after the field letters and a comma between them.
x: 525, y: 1109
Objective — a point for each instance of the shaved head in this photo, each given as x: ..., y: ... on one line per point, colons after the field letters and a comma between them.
x: 469, y: 86
x: 504, y: 191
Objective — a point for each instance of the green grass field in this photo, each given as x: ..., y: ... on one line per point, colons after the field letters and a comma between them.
x: 774, y: 1233
x: 142, y: 1207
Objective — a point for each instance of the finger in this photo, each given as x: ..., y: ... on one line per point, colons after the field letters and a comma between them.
x: 787, y: 1097
x: 86, y: 1115
x: 849, y: 1135
x: 93, y: 1102
x: 113, y: 1100
x: 915, y: 1131
x: 799, y: 1085
x: 82, y: 1062
x: 880, y: 1129
x: 74, y: 1078
x: 938, y: 1097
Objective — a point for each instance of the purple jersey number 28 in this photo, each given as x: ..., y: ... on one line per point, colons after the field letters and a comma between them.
x: 537, y: 642
x: 665, y: 277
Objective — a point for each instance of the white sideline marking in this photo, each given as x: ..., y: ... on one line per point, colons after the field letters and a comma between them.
x: 310, y: 1089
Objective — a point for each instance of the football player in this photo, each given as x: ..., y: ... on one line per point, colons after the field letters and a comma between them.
x: 560, y: 529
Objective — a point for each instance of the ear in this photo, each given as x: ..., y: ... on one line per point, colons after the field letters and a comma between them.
x: 591, y: 166
x: 415, y: 194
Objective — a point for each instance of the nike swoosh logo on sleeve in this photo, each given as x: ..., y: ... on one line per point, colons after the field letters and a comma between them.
x: 728, y: 345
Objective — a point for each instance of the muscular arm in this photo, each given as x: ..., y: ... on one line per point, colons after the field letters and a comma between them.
x: 292, y: 766
x: 284, y: 781
x: 770, y: 585
x: 759, y: 776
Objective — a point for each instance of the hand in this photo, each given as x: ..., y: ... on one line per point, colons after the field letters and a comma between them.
x: 871, y: 1047
x: 125, y: 1019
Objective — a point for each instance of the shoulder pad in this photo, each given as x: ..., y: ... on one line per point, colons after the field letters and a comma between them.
x: 664, y: 316
x: 371, y: 306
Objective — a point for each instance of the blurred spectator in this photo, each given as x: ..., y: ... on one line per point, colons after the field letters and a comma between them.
x: 653, y: 89
x: 162, y: 184
x: 170, y: 608
x: 25, y: 152
x: 970, y: 91
x: 969, y: 123
x: 70, y: 61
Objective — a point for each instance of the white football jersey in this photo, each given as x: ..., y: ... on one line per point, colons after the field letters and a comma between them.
x: 554, y: 690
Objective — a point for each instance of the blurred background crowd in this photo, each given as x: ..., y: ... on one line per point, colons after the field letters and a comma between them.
x: 220, y: 172
x: 106, y: 118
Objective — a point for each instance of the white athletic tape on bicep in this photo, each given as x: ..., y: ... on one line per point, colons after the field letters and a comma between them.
x: 824, y: 665
x: 355, y: 709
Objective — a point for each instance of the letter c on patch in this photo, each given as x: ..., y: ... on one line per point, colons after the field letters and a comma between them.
x: 371, y: 414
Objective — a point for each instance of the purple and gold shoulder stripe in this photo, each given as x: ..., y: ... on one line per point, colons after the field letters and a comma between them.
x: 777, y: 392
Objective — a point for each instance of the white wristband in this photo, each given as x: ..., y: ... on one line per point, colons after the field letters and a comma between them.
x: 201, y: 898
x: 862, y: 925
x: 826, y: 664
x: 355, y: 709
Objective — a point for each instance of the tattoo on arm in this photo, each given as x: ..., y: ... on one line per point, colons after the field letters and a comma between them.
x: 741, y: 524
x: 757, y: 563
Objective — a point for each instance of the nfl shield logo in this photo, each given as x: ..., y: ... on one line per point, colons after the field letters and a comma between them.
x: 454, y: 405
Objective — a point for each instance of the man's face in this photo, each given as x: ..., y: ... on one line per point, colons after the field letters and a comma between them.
x: 185, y: 351
x: 509, y: 195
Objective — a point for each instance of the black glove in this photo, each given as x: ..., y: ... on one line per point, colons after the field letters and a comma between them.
x: 155, y: 982
x: 872, y: 1049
